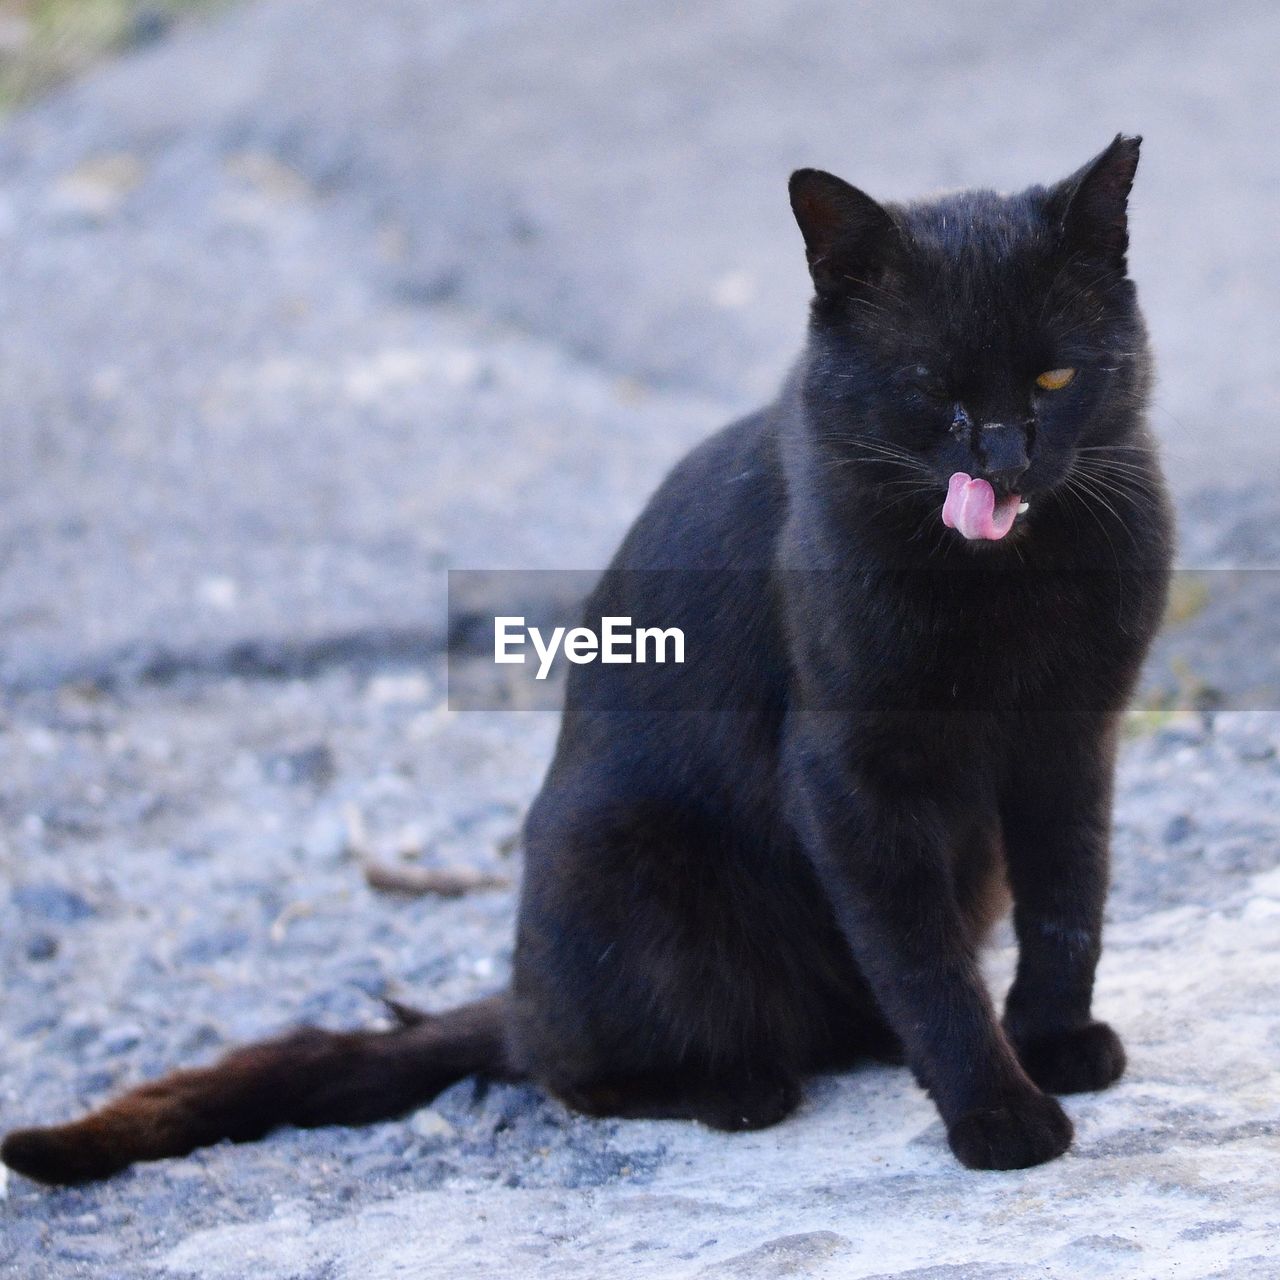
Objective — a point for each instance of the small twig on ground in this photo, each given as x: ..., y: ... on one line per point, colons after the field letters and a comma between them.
x: 294, y: 911
x: 444, y: 882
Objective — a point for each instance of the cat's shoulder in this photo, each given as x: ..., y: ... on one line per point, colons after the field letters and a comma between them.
x: 720, y: 506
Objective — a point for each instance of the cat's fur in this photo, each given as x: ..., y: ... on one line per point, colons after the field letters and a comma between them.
x: 783, y: 855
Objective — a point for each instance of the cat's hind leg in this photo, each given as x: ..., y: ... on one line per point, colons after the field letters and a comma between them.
x: 733, y: 1102
x: 668, y: 967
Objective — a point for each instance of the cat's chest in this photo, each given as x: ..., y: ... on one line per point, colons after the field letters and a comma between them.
x: 995, y: 636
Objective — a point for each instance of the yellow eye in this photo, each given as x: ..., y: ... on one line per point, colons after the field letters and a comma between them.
x: 1055, y: 379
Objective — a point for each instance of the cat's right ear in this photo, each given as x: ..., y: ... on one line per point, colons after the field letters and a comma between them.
x: 1090, y: 208
x: 846, y: 233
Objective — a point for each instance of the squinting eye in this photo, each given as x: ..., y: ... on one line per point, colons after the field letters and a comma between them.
x: 1055, y: 379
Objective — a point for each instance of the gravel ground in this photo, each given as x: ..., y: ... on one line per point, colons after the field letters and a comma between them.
x: 289, y: 326
x: 182, y: 879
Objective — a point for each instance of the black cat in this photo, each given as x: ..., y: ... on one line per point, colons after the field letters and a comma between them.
x: 917, y: 591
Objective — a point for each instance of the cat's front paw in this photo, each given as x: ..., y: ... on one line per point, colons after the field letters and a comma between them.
x: 1025, y: 1130
x: 1077, y: 1061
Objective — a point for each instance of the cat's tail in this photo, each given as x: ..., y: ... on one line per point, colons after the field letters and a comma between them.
x: 307, y: 1078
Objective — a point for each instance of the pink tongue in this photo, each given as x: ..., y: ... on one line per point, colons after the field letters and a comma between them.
x: 971, y: 507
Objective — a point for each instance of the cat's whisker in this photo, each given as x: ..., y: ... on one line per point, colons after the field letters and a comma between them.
x: 1133, y: 476
x: 1083, y: 497
x: 900, y: 501
x: 1144, y: 450
x: 1101, y: 460
x: 871, y: 451
x: 1124, y: 476
x: 1105, y: 449
x: 1090, y: 485
x: 1099, y: 487
x: 1124, y: 488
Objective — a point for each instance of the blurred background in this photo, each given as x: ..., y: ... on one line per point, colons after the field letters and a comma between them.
x: 305, y: 302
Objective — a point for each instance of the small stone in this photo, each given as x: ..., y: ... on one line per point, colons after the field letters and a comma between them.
x: 41, y: 946
x: 51, y: 902
x: 1179, y: 736
x: 313, y: 766
x: 97, y: 187
x: 201, y: 1038
x: 268, y: 176
x: 432, y: 1125
x: 387, y: 690
x: 74, y: 1038
x: 213, y: 945
x: 122, y: 1039
x: 1239, y: 857
x: 40, y: 1023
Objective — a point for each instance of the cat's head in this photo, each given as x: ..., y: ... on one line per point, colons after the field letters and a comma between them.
x: 973, y: 353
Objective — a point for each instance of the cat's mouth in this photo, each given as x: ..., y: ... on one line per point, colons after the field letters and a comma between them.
x: 974, y: 511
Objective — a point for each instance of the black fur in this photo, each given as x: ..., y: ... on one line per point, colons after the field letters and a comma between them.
x: 783, y: 855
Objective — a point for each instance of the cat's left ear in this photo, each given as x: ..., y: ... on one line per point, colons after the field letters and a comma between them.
x: 1090, y: 208
x: 846, y: 233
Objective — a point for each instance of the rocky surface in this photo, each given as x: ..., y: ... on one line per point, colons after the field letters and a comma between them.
x: 183, y: 878
x: 303, y: 307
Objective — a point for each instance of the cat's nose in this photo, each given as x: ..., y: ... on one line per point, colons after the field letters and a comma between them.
x: 1004, y: 455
